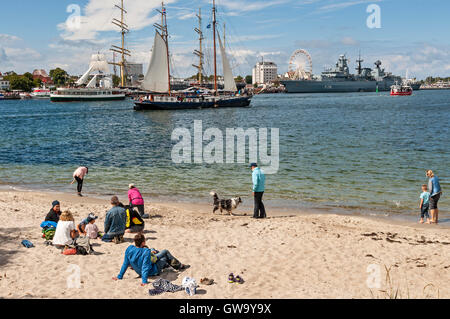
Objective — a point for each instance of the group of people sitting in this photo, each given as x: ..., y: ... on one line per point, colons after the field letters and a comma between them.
x: 120, y: 219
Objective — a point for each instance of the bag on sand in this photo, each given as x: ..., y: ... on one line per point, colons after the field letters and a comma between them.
x: 48, y: 233
x: 81, y: 245
x: 69, y: 251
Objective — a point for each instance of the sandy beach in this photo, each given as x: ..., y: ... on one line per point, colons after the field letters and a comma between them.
x: 284, y: 256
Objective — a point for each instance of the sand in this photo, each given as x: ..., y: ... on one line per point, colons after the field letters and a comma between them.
x: 297, y: 256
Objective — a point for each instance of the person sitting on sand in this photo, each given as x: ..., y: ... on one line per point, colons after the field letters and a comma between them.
x: 78, y: 176
x: 65, y: 231
x: 82, y: 226
x: 54, y: 213
x: 91, y: 229
x: 136, y: 200
x: 115, y: 222
x: 147, y: 262
x: 424, y: 205
x: 135, y: 223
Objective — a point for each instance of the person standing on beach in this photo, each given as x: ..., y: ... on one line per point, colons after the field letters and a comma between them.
x: 136, y: 200
x: 424, y: 204
x: 78, y: 176
x: 259, y: 180
x: 435, y: 194
x: 54, y: 213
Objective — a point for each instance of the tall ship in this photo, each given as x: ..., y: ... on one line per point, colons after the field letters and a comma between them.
x: 158, y: 78
x: 340, y: 80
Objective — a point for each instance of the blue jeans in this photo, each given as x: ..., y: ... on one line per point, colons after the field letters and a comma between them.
x: 109, y: 238
x: 165, y: 259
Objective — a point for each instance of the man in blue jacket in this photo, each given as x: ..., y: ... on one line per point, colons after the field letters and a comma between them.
x: 147, y: 262
x: 259, y: 181
x: 115, y: 222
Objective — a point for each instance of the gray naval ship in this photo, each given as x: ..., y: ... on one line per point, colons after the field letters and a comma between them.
x: 340, y: 79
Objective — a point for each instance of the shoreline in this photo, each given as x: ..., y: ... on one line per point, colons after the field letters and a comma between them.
x: 274, y: 209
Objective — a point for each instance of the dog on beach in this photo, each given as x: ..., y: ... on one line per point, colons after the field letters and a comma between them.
x: 225, y: 204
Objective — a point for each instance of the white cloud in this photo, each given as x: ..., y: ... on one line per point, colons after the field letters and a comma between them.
x: 98, y: 14
x: 343, y: 5
x: 8, y: 38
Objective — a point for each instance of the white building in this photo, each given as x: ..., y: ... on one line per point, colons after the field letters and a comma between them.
x: 264, y: 72
x: 4, y: 85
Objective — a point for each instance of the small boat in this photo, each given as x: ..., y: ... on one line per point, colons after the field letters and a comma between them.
x: 39, y: 93
x: 25, y: 96
x: 403, y: 89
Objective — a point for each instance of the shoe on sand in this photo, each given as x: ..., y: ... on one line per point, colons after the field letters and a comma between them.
x: 239, y: 280
x: 206, y: 281
x: 231, y: 278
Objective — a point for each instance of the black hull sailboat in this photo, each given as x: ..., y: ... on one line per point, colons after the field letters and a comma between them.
x: 168, y: 104
x: 158, y: 79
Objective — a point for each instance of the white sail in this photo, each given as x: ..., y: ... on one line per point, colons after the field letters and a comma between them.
x: 99, y: 63
x: 93, y: 82
x: 230, y: 84
x: 157, y: 77
x: 85, y: 77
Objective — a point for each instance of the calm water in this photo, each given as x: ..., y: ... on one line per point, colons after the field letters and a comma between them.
x: 351, y: 152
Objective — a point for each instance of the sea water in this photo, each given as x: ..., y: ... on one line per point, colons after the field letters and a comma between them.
x: 355, y: 152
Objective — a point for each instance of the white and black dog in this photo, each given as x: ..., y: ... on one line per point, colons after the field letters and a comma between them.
x: 225, y: 204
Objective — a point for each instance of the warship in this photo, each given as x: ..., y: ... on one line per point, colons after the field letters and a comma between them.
x: 339, y: 80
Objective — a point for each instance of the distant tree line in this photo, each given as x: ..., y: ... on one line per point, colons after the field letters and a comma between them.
x: 432, y: 80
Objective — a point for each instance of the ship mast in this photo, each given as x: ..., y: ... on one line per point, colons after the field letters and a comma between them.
x: 215, y: 52
x: 359, y: 61
x: 165, y: 35
x: 124, y: 52
x: 199, y: 52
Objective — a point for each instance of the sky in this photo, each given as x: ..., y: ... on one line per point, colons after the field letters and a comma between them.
x: 413, y: 35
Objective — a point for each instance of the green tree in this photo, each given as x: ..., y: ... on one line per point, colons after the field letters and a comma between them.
x: 238, y: 78
x: 249, y: 79
x: 37, y: 82
x: 59, y: 76
x: 21, y: 83
x: 116, y: 80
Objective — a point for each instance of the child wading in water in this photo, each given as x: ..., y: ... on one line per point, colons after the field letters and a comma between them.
x: 424, y: 204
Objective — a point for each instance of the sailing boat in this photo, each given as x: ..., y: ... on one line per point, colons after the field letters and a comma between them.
x: 158, y: 79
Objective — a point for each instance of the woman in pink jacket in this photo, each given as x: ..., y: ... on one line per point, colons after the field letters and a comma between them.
x: 136, y: 200
x: 78, y: 176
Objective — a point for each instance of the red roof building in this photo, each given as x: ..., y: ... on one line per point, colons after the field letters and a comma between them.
x: 41, y: 74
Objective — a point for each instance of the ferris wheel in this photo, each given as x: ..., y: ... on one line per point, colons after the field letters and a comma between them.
x: 300, y: 65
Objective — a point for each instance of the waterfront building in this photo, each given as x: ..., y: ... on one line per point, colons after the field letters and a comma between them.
x: 43, y: 76
x: 4, y: 85
x: 264, y: 72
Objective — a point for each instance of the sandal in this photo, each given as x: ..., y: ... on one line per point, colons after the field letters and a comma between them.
x: 207, y: 281
x: 239, y: 280
x: 231, y: 278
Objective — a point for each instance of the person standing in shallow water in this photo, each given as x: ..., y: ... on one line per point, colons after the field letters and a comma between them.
x: 259, y: 180
x: 78, y: 176
x: 435, y: 194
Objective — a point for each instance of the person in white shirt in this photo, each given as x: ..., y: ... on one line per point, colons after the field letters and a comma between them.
x: 65, y: 231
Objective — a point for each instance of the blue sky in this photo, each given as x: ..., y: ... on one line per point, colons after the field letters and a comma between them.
x: 414, y: 34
